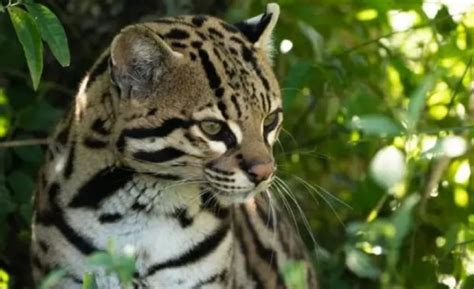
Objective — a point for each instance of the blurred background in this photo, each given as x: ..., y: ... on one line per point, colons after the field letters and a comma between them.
x: 375, y: 160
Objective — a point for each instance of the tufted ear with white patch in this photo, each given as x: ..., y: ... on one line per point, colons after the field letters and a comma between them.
x: 258, y: 29
x: 139, y: 57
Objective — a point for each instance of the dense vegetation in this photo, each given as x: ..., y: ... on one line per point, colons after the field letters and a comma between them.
x: 379, y: 104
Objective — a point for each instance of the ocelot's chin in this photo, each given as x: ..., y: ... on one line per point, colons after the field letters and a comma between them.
x: 229, y: 198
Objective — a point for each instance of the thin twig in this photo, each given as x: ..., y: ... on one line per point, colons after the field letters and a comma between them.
x: 390, y: 34
x: 26, y: 142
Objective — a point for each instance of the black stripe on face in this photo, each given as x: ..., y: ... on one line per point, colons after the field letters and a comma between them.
x: 159, y: 156
x: 269, y: 101
x: 167, y: 127
x: 233, y: 98
x: 209, y: 68
x: 177, y: 34
x: 199, y: 251
x: 266, y: 106
x: 248, y: 56
x: 223, y: 109
x: 101, y: 186
x: 68, y: 169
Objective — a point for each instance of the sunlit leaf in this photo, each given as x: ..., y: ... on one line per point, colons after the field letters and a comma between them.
x: 30, y: 39
x: 418, y: 99
x: 52, y: 279
x: 402, y: 218
x: 51, y: 31
x: 360, y: 263
x: 377, y: 125
x: 388, y: 167
x: 295, y: 275
x: 102, y: 259
x: 89, y: 281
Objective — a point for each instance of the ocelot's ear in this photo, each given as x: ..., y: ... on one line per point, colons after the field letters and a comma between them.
x: 138, y: 58
x: 258, y: 29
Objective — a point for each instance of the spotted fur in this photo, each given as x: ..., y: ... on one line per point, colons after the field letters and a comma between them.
x: 165, y: 151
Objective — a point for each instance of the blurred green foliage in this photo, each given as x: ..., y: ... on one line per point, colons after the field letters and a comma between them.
x: 376, y: 151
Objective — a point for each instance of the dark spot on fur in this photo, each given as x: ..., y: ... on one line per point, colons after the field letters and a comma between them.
x: 199, y: 20
x: 176, y: 33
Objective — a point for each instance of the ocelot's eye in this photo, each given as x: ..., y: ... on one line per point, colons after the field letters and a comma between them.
x: 211, y: 128
x: 270, y: 121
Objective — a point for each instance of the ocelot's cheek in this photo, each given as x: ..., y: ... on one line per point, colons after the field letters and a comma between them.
x: 215, y: 148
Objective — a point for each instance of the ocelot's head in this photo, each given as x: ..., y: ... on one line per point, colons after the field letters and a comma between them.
x: 196, y: 99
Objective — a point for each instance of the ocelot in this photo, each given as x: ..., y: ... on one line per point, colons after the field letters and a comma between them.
x: 168, y: 150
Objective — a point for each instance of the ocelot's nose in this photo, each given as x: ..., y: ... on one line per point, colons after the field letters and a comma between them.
x: 258, y: 172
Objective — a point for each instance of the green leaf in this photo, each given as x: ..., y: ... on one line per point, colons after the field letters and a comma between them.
x: 22, y: 186
x: 125, y: 267
x: 468, y: 282
x: 315, y: 39
x: 360, y: 263
x: 30, y: 38
x: 52, y: 279
x: 29, y: 154
x: 51, y: 31
x: 377, y: 124
x: 2, y: 8
x: 444, y: 22
x: 402, y: 219
x: 417, y: 100
x: 89, y: 281
x: 6, y: 203
x: 295, y: 275
x: 101, y: 259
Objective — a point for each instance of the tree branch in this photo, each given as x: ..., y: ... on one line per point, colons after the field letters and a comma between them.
x: 26, y: 142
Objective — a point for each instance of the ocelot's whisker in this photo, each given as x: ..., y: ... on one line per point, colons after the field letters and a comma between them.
x: 303, y: 216
x: 272, y: 217
x: 323, y: 190
x: 311, y: 189
x: 286, y: 204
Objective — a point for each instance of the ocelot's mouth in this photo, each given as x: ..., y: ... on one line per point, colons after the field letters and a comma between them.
x: 237, y: 194
x: 231, y: 189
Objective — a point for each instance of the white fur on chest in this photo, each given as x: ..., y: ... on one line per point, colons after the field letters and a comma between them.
x: 155, y: 235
